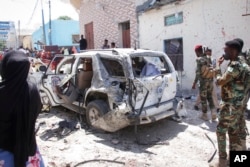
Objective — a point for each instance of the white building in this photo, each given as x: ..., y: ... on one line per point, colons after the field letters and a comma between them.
x: 176, y: 26
x: 8, y: 34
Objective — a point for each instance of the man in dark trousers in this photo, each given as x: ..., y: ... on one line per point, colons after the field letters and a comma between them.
x: 83, y: 43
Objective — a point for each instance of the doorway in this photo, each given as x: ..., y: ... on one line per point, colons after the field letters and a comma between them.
x: 174, y: 50
x: 126, y: 34
x: 89, y: 35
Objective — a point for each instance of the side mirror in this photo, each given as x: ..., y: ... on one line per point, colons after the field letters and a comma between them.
x: 42, y: 68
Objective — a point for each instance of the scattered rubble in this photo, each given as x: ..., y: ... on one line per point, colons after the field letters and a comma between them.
x: 164, y: 143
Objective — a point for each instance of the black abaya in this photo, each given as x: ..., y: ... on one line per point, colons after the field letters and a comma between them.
x: 19, y: 107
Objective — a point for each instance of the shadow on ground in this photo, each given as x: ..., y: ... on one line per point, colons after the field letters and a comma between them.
x: 127, y: 139
x: 193, y: 118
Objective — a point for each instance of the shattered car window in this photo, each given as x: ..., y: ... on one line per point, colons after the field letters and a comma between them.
x: 147, y: 66
x: 113, y: 67
x: 66, y: 67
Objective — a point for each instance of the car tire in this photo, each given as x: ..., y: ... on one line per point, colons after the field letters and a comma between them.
x: 95, y: 110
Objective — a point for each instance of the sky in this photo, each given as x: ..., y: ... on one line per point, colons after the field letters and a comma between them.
x: 30, y: 14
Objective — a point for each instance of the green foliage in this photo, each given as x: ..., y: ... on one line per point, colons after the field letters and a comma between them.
x: 64, y: 18
x: 2, y: 45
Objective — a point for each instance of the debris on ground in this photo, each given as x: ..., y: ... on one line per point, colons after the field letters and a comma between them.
x: 164, y: 143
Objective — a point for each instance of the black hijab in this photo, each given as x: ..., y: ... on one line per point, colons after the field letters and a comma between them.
x: 19, y: 106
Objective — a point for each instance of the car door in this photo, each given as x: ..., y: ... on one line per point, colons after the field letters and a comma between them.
x: 154, y: 79
x: 60, y: 77
x: 110, y: 76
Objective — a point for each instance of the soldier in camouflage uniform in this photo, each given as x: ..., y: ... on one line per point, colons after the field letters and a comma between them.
x: 242, y: 122
x: 232, y: 94
x: 247, y: 53
x: 208, y: 52
x: 204, y: 74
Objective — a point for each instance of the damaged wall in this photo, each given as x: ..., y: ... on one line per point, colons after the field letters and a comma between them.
x: 210, y: 23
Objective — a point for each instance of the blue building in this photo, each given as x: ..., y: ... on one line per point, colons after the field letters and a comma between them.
x: 63, y: 33
x: 7, y: 34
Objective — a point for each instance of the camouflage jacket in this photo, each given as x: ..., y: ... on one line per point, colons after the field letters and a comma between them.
x: 246, y: 77
x: 232, y: 82
x: 203, y: 62
x: 245, y: 57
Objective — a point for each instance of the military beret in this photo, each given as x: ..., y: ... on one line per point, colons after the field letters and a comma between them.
x: 240, y: 41
x: 198, y: 47
x: 233, y: 44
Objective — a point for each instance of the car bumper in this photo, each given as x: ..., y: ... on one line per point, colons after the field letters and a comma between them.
x: 153, y: 113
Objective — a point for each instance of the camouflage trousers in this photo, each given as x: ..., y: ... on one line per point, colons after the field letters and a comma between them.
x: 242, y: 124
x: 228, y: 123
x: 206, y: 95
x: 242, y: 121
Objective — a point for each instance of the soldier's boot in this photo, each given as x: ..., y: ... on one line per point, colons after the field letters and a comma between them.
x: 221, y: 162
x: 243, y: 145
x: 204, y: 116
x: 213, y: 115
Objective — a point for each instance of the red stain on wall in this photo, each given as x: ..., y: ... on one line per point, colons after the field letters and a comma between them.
x: 223, y: 32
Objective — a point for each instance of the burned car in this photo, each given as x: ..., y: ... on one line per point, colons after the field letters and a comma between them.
x: 113, y: 88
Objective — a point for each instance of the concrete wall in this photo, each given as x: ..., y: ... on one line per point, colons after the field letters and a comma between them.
x: 26, y: 41
x: 62, y: 31
x: 106, y: 16
x: 207, y: 22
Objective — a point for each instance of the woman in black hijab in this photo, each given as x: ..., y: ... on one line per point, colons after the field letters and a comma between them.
x: 20, y: 105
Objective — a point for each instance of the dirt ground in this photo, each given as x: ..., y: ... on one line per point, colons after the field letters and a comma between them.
x: 162, y: 144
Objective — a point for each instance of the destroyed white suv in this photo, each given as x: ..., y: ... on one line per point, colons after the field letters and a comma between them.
x: 114, y: 88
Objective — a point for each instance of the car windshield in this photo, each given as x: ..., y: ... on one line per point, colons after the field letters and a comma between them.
x: 148, y: 66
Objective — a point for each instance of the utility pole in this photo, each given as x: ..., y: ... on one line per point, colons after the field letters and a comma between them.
x: 50, y: 29
x: 19, y: 34
x: 44, y: 35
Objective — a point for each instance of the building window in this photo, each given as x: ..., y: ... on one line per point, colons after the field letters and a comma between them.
x: 75, y: 38
x: 174, y: 19
x: 174, y: 50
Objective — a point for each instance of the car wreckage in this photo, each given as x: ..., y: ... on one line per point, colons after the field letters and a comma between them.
x: 113, y: 88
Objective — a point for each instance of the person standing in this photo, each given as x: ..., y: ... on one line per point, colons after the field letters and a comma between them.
x: 198, y: 99
x: 242, y: 121
x: 83, y: 43
x: 204, y: 74
x: 20, y: 105
x: 208, y: 52
x: 22, y: 49
x: 232, y: 94
x: 248, y: 103
x: 106, y: 44
x: 113, y: 45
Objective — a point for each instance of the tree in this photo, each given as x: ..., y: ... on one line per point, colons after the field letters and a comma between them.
x: 64, y: 18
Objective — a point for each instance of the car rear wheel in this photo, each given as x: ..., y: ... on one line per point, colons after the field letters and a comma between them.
x: 95, y: 110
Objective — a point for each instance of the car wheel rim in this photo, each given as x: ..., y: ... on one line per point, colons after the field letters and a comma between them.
x: 93, y: 115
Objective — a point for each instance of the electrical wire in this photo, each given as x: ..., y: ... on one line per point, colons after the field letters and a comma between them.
x: 100, y: 160
x: 33, y: 12
x: 215, y: 149
x: 155, y: 37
